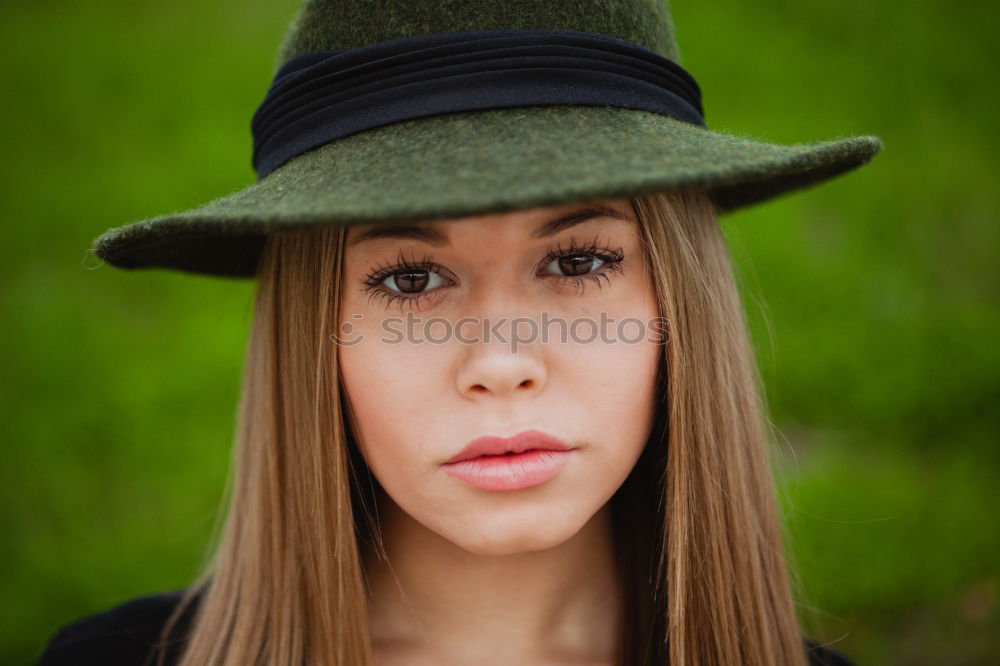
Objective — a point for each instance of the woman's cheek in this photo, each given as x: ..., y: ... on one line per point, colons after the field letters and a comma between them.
x: 389, y: 392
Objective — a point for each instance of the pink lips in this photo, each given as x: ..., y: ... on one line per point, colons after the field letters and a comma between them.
x: 525, y: 460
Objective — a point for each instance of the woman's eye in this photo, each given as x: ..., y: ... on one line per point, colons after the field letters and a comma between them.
x: 412, y: 281
x: 407, y: 282
x: 578, y: 265
x: 570, y: 265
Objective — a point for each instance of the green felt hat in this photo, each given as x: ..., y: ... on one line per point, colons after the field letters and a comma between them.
x: 479, y: 161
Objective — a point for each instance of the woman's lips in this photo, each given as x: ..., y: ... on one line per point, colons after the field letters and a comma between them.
x: 528, y: 459
x: 510, y: 472
x: 519, y: 443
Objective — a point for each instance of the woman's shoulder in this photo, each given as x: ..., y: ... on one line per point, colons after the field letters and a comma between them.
x: 123, y: 635
x: 823, y: 656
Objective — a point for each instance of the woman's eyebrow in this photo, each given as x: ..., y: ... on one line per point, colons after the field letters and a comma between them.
x: 553, y: 227
x: 437, y: 238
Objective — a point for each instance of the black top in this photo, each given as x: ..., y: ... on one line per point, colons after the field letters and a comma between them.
x: 124, y: 636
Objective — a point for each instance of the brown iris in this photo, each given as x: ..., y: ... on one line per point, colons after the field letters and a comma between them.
x: 575, y: 264
x: 412, y: 281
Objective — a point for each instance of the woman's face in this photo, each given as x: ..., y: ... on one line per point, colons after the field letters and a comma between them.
x: 541, y: 320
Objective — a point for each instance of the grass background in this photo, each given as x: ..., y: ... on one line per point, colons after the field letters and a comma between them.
x: 872, y: 302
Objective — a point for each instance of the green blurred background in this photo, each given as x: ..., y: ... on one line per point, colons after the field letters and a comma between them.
x: 871, y: 302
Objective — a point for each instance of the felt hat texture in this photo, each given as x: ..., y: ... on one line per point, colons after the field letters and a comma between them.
x: 475, y: 162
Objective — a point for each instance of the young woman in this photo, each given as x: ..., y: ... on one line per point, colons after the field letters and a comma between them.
x: 500, y: 404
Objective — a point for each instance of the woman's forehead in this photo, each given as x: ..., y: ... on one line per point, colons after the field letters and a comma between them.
x: 537, y: 222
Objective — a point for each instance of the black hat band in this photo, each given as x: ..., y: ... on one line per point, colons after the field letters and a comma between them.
x: 322, y: 96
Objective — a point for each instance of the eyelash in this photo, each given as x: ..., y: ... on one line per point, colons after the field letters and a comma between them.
x: 612, y: 259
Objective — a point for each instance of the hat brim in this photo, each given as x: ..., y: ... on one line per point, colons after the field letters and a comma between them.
x: 477, y: 162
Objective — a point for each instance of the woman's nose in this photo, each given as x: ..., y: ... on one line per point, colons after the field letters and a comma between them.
x: 501, y: 361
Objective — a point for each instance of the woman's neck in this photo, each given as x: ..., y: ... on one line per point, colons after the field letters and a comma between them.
x: 434, y: 602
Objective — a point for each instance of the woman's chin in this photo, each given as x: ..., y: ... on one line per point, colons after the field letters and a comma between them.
x: 502, y: 538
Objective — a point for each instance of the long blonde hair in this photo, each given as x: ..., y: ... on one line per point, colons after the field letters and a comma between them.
x: 698, y: 533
